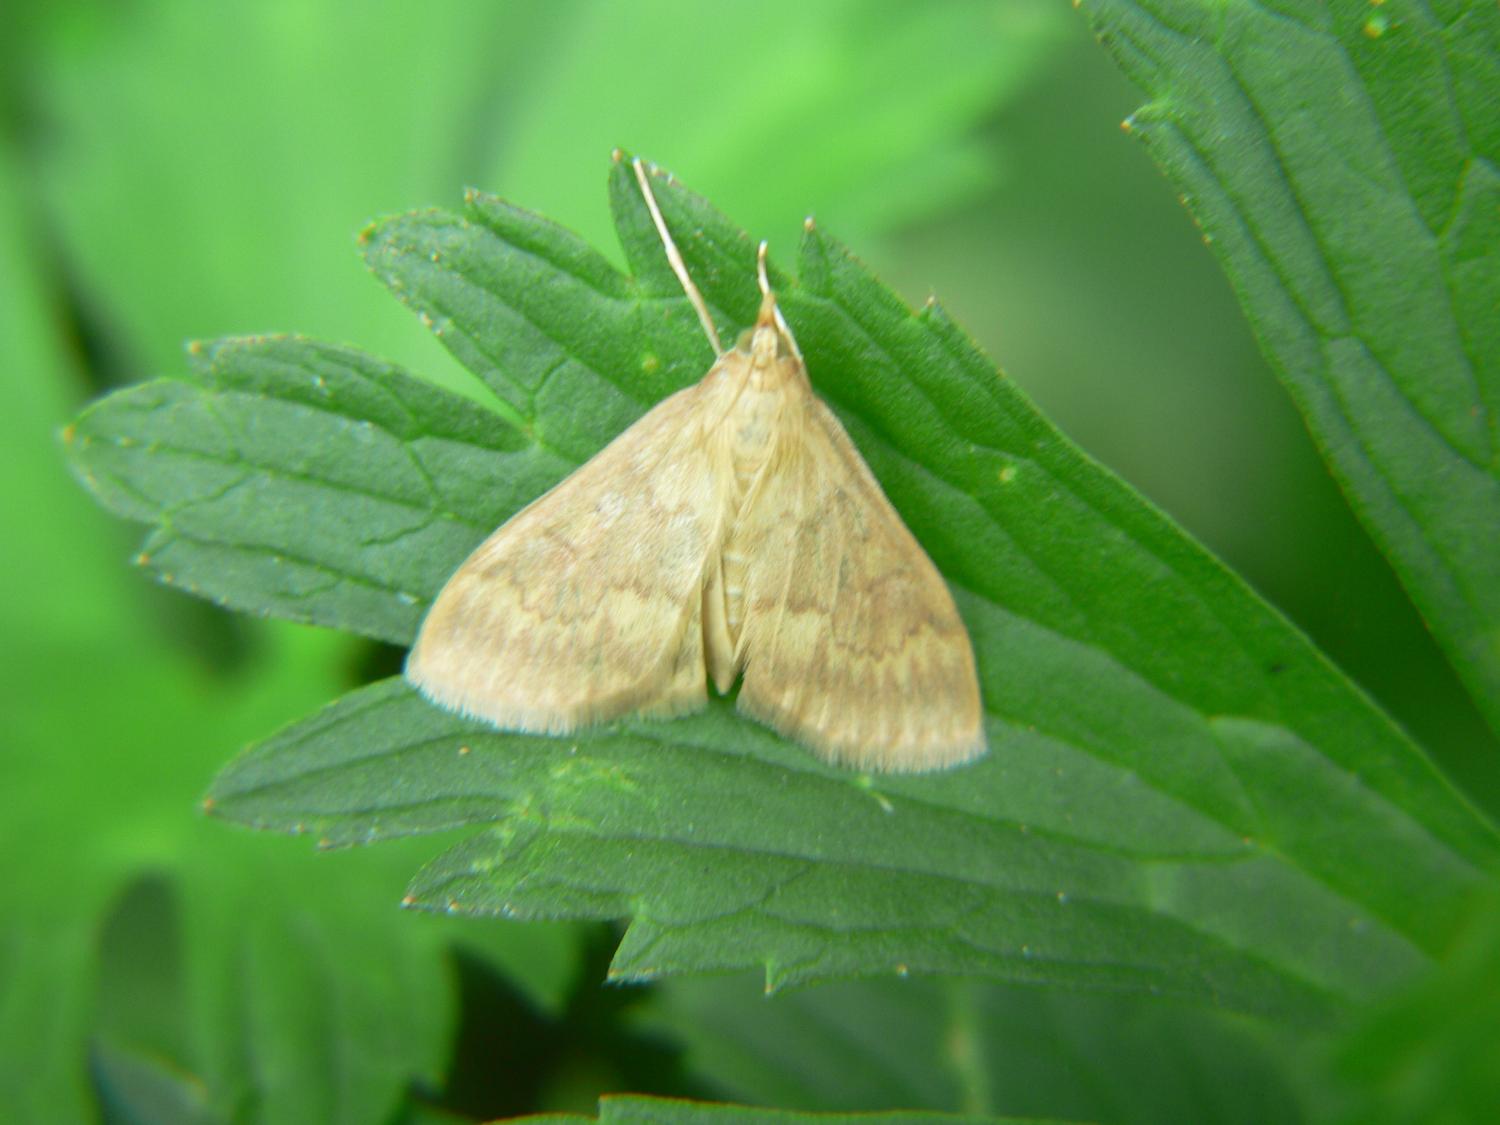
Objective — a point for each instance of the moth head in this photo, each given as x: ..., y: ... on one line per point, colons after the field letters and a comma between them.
x: 770, y: 341
x: 765, y: 343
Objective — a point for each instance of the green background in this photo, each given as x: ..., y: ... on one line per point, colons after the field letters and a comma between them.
x: 173, y: 171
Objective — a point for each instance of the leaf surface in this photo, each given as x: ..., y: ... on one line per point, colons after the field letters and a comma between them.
x: 963, y: 1046
x: 1344, y: 163
x: 631, y: 1109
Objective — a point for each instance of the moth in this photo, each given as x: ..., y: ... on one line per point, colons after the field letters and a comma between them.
x: 733, y: 532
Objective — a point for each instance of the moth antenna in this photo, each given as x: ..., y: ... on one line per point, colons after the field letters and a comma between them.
x: 765, y: 291
x: 674, y: 258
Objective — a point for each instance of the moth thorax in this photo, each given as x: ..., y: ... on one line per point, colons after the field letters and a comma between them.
x: 754, y: 425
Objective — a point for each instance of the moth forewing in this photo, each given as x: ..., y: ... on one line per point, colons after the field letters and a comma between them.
x: 733, y: 529
x: 585, y: 605
x: 854, y: 644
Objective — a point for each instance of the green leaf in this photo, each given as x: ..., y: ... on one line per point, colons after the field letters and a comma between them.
x: 111, y: 727
x: 630, y: 1109
x: 137, y: 1089
x: 960, y: 1046
x: 1432, y: 1054
x: 1344, y: 163
x: 1182, y: 797
x: 305, y: 480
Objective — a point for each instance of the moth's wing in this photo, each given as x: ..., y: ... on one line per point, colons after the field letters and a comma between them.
x: 587, y: 604
x: 851, y: 642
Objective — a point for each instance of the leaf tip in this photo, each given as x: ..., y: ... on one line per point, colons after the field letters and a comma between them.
x: 777, y: 977
x: 635, y: 974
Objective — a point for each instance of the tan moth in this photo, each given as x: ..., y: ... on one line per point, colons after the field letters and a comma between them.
x: 733, y: 531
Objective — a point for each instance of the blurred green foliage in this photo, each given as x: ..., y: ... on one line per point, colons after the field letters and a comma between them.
x: 172, y: 171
